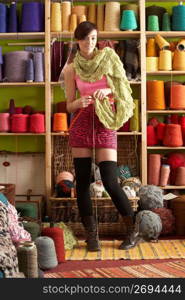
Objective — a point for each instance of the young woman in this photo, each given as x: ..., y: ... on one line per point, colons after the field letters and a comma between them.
x: 104, y: 105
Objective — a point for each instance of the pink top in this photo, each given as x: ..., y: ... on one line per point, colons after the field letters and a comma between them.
x: 88, y: 88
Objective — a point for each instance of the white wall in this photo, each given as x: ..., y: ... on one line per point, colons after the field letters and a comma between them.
x: 25, y: 170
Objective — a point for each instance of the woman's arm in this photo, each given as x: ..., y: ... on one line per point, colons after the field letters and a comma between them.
x: 70, y: 88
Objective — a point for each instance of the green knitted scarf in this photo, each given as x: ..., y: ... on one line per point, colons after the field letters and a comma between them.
x: 107, y: 62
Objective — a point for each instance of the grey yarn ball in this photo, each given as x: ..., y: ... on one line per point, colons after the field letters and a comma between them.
x: 148, y: 224
x: 151, y: 196
x: 47, y: 258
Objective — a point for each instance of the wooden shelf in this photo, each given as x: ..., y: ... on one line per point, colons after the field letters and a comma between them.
x: 101, y: 34
x: 173, y: 72
x: 165, y: 148
x: 74, y: 199
x: 26, y: 133
x: 7, y: 84
x: 22, y: 35
x: 166, y: 111
x: 173, y: 187
x: 53, y: 83
x: 166, y: 33
x: 62, y: 133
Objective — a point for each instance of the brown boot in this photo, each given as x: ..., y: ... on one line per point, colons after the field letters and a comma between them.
x: 132, y: 238
x: 91, y: 233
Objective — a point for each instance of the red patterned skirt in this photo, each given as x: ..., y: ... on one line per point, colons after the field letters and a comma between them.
x: 86, y: 131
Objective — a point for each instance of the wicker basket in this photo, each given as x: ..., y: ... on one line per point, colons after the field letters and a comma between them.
x: 9, y: 192
x: 109, y: 220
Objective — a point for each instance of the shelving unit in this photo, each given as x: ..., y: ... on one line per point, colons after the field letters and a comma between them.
x: 170, y: 75
x: 50, y: 87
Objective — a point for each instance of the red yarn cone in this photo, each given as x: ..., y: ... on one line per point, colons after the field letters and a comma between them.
x: 57, y: 235
x: 173, y: 136
x: 151, y: 136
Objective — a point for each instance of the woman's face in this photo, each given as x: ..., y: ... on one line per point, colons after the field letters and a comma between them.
x: 89, y: 43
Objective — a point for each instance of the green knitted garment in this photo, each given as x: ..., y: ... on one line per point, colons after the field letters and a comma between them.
x: 107, y: 62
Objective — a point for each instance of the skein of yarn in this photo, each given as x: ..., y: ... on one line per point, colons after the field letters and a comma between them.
x: 27, y: 259
x: 47, y: 258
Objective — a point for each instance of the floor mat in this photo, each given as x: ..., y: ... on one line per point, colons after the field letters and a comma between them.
x: 174, y: 269
x: 163, y: 249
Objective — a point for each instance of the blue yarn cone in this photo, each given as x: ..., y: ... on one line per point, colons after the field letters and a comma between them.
x: 12, y: 18
x: 128, y: 20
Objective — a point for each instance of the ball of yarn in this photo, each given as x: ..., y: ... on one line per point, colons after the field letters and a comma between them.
x: 176, y: 160
x: 148, y: 224
x: 65, y: 175
x: 33, y: 228
x: 151, y: 196
x: 63, y: 188
x: 132, y: 182
x: 47, y: 258
x: 167, y: 219
x: 58, y: 237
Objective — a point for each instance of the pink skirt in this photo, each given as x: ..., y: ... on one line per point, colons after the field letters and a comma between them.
x: 88, y: 132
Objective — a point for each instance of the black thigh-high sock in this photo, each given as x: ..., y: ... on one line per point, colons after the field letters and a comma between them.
x: 83, y: 179
x: 108, y: 171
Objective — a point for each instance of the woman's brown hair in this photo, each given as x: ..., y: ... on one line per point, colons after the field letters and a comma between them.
x: 83, y: 29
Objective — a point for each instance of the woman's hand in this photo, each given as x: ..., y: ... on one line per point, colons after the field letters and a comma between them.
x: 85, y: 101
x: 102, y: 93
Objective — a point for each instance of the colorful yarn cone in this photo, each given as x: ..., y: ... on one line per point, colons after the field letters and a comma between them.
x: 173, y: 136
x: 57, y: 235
x: 154, y: 166
x: 166, y: 26
x: 164, y: 175
x: 151, y: 136
x: 153, y: 23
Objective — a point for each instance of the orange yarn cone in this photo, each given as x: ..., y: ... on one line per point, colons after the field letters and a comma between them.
x: 155, y: 95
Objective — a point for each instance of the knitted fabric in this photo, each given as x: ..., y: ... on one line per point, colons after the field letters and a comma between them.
x: 107, y: 62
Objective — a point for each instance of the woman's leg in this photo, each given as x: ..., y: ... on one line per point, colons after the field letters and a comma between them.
x: 82, y: 164
x: 107, y: 161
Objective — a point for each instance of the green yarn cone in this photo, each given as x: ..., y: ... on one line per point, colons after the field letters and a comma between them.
x: 166, y: 26
x: 153, y: 23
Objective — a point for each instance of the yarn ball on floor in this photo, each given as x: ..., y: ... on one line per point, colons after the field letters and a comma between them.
x: 151, y: 196
x: 63, y: 188
x: 148, y: 224
x: 167, y: 218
